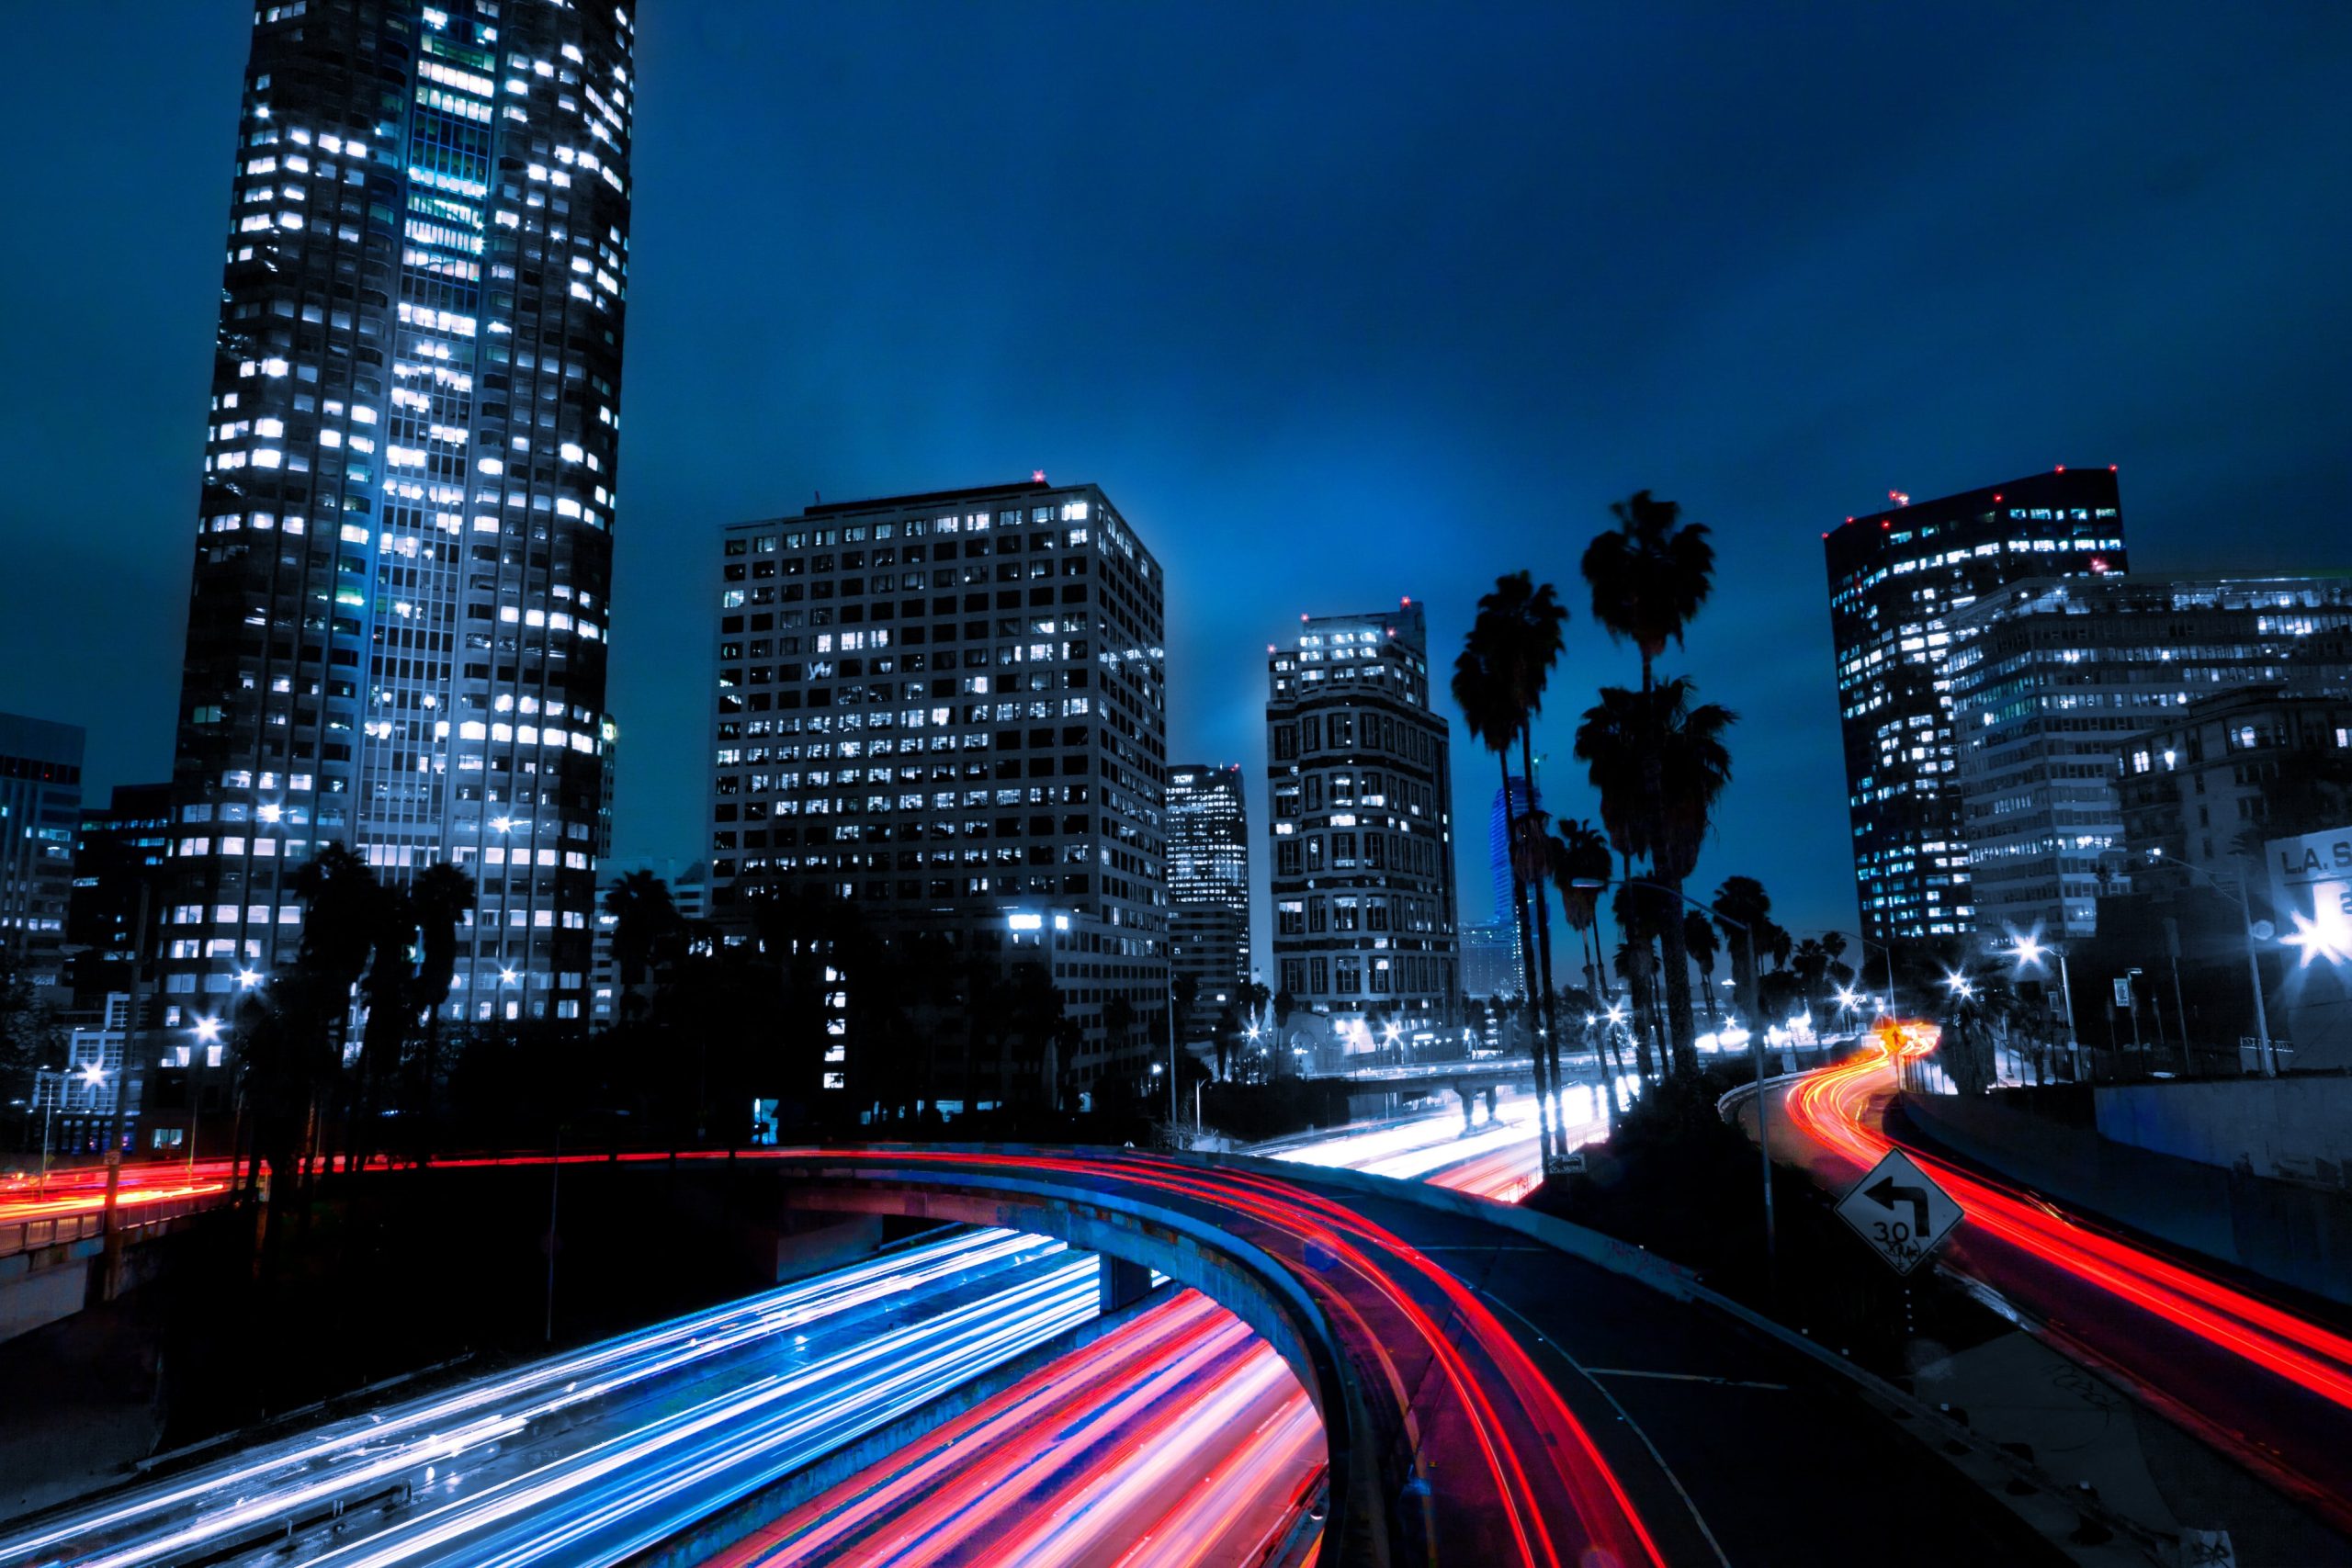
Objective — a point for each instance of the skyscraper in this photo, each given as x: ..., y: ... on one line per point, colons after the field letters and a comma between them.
x: 1208, y: 882
x: 40, y: 804
x: 1896, y: 580
x: 1510, y: 801
x: 2051, y: 680
x: 117, y: 846
x: 951, y: 708
x: 397, y: 631
x: 1361, y: 830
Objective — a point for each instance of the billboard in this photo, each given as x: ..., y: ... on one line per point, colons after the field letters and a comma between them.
x: 2311, y: 889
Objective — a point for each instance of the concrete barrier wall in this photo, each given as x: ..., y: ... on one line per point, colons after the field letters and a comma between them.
x: 2299, y: 1129
x: 2294, y: 1234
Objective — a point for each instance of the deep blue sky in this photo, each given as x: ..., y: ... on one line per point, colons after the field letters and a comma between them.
x: 1338, y: 302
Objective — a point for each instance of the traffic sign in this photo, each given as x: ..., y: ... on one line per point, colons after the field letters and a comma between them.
x: 1899, y: 1211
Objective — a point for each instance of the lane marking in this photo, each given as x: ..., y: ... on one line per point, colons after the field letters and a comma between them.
x: 1681, y: 1377
x: 1602, y: 1389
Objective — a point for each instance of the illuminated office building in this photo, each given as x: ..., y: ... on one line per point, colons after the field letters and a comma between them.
x: 40, y: 805
x: 403, y: 555
x: 1360, y: 827
x: 1896, y: 578
x: 951, y: 709
x: 117, y: 846
x: 1208, y: 884
x: 2051, y: 679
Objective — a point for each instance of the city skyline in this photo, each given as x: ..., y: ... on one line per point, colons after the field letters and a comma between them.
x: 2188, y: 409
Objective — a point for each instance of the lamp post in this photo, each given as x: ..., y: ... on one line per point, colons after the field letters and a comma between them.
x: 111, y: 1278
x: 2029, y: 950
x: 1755, y: 1046
x: 2263, y: 1052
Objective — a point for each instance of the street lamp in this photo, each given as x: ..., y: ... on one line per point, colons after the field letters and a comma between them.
x: 2029, y: 950
x: 1755, y: 1039
x: 2262, y: 1051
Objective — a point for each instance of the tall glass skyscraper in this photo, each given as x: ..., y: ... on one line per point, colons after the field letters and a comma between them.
x: 1508, y: 916
x: 1896, y: 578
x: 397, y: 631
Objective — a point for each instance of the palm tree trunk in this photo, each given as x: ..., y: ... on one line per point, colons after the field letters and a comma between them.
x: 1680, y: 1020
x: 1605, y: 1048
x: 1543, y: 944
x: 1527, y: 961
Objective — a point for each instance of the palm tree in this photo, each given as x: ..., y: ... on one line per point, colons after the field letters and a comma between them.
x: 642, y: 915
x: 1659, y: 764
x: 443, y: 897
x: 1490, y: 697
x: 1579, y: 852
x: 1649, y: 576
x: 1699, y: 939
x: 1745, y: 912
x: 340, y: 897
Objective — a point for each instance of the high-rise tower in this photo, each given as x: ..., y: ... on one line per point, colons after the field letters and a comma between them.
x: 1896, y: 578
x: 951, y: 709
x: 397, y: 632
x: 1361, y: 825
x: 1208, y: 882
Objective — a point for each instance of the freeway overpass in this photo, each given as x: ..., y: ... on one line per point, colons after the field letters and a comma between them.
x: 1494, y: 1387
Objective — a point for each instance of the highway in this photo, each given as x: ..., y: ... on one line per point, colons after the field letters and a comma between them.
x: 586, y: 1456
x: 1179, y: 1438
x: 2250, y: 1377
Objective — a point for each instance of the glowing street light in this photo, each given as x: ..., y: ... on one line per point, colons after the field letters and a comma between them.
x: 207, y: 1030
x: 508, y: 976
x: 94, y: 1074
x: 1960, y: 985
x: 248, y: 979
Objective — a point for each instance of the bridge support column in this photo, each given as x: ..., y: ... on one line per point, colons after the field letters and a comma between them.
x: 1469, y: 1101
x: 1124, y: 1283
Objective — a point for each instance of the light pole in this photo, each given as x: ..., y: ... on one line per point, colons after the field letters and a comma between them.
x: 2029, y: 950
x: 2263, y: 1052
x: 112, y: 1274
x: 1755, y: 1045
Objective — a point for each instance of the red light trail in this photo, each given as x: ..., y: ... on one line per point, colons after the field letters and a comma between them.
x: 1396, y: 1329
x: 1833, y: 1107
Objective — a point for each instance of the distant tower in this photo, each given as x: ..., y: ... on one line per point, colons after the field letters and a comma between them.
x: 1507, y: 915
x: 1208, y: 881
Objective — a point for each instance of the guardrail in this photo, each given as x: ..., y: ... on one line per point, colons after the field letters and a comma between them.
x: 62, y: 1230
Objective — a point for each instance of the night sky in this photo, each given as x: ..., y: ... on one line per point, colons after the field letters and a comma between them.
x: 1337, y: 304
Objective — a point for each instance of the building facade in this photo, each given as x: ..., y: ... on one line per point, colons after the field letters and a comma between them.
x: 1896, y: 578
x: 115, y: 847
x: 1361, y: 828
x: 2203, y: 786
x: 403, y: 555
x: 2051, y: 680
x: 1491, y: 961
x: 1208, y: 884
x: 689, y: 884
x: 951, y: 708
x: 40, y: 805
